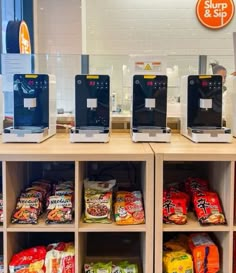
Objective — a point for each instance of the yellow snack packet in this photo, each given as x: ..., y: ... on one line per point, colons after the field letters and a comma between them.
x: 177, y: 262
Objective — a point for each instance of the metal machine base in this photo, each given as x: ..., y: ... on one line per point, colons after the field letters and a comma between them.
x: 151, y: 135
x: 222, y: 135
x: 25, y: 134
x: 89, y: 135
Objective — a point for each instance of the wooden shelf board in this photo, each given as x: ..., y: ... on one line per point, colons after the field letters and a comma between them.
x: 41, y: 226
x: 182, y: 148
x: 59, y: 148
x: 193, y: 225
x: 113, y: 227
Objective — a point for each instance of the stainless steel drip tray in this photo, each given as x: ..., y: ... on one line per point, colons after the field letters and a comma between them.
x: 209, y: 130
x: 154, y: 129
x: 90, y: 130
x: 22, y: 130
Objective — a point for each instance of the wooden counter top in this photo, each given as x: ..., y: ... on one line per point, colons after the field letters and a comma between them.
x: 182, y: 148
x: 59, y: 148
x: 120, y: 147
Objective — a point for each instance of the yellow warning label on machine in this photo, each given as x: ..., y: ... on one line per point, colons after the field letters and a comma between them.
x: 147, y: 67
x: 205, y: 76
x: 31, y: 76
x: 149, y: 76
x: 92, y: 77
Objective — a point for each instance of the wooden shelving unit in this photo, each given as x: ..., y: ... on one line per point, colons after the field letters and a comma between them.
x: 22, y: 163
x: 182, y: 158
x: 153, y: 165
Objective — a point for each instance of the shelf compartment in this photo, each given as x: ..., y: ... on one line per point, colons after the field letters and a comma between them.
x: 113, y: 246
x: 193, y: 225
x: 222, y: 240
x: 113, y: 227
x: 219, y: 175
x: 129, y: 176
x: 17, y: 241
x: 20, y: 174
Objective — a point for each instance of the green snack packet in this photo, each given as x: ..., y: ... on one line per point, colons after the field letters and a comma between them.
x: 126, y: 267
x: 103, y: 267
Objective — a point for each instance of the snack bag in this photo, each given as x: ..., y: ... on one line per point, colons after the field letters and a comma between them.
x: 102, y: 267
x: 207, y: 208
x: 60, y: 258
x: 27, y: 211
x: 179, y: 243
x: 1, y: 264
x: 127, y: 267
x: 177, y: 262
x: 174, y: 208
x: 59, y: 210
x: 28, y: 261
x: 99, y: 186
x: 98, y: 201
x: 205, y: 253
x: 129, y: 208
x: 88, y: 268
x: 1, y: 208
x: 98, y: 207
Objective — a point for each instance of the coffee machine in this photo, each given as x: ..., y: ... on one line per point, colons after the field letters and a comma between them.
x: 92, y: 109
x: 34, y: 113
x: 229, y: 103
x: 201, y: 109
x: 149, y: 108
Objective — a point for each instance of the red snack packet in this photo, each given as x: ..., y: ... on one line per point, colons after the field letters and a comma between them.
x: 193, y: 185
x: 29, y: 258
x: 207, y: 208
x: 174, y: 208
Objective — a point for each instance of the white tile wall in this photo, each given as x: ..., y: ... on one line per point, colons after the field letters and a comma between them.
x: 123, y: 27
x: 157, y: 26
x: 58, y: 30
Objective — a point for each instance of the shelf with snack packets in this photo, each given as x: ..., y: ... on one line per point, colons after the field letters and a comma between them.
x: 108, y: 208
x: 208, y: 207
x: 38, y: 203
x: 194, y: 252
x: 29, y: 170
x: 42, y: 251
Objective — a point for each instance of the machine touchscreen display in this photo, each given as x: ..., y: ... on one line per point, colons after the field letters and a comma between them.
x: 149, y: 101
x: 204, y: 101
x: 31, y: 100
x: 92, y: 98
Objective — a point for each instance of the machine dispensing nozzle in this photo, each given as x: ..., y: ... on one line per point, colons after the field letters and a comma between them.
x: 150, y: 103
x: 92, y: 104
x: 30, y: 103
x: 206, y: 104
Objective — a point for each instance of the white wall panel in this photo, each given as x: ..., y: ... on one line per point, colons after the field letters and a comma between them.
x: 127, y: 27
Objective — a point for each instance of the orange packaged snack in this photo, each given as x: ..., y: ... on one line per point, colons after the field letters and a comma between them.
x: 205, y: 253
x: 129, y: 208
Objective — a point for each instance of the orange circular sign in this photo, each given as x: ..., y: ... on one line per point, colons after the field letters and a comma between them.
x: 215, y: 14
x: 24, y: 39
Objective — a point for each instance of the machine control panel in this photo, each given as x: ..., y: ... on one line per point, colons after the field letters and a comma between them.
x: 204, y: 100
x: 31, y: 100
x: 92, y: 98
x: 149, y: 101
